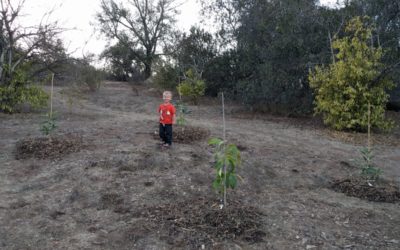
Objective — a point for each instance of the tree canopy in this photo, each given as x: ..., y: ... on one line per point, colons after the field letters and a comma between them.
x: 142, y: 26
x: 349, y: 88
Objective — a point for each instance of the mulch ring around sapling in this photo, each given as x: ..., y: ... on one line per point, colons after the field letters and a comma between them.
x: 380, y: 191
x: 48, y: 147
x: 187, y: 134
x: 201, y: 222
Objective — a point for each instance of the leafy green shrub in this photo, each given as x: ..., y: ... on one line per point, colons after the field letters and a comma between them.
x: 167, y: 77
x: 193, y: 87
x: 227, y: 158
x: 18, y: 91
x: 344, y: 90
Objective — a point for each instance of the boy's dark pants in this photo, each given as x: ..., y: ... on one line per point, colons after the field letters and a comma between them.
x: 166, y: 133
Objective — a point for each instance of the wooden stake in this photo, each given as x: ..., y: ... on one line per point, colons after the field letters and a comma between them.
x: 330, y: 43
x: 224, y: 138
x: 51, y: 96
x: 369, y: 127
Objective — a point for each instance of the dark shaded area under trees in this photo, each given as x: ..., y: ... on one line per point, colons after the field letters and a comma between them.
x: 263, y: 51
x: 276, y: 43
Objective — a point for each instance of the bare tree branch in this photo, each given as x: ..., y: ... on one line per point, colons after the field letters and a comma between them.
x: 17, y: 43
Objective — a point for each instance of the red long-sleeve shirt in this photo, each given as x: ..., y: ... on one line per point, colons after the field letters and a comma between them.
x: 167, y: 112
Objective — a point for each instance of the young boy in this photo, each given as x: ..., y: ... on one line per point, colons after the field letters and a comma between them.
x: 167, y: 118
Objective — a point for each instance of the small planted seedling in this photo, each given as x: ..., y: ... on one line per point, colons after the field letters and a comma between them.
x: 49, y: 125
x: 227, y: 159
x: 182, y: 111
x: 368, y: 168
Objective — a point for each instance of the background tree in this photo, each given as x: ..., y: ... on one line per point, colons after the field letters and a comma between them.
x: 18, y: 45
x: 222, y: 73
x: 167, y: 76
x: 386, y: 15
x: 350, y: 87
x: 121, y: 60
x: 50, y: 57
x: 142, y: 26
x: 277, y: 42
x: 226, y: 15
x: 195, y: 51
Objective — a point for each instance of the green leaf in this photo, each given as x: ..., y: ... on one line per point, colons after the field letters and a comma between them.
x: 219, y: 164
x: 217, y: 184
x: 219, y: 172
x: 231, y: 161
x: 215, y: 142
x: 232, y: 181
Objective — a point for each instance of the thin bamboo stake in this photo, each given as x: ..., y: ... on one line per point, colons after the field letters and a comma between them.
x: 51, y: 96
x: 369, y: 127
x: 224, y: 138
x: 179, y: 92
x: 330, y: 43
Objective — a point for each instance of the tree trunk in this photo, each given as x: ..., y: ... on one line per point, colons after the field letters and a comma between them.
x: 2, y: 68
x: 147, y: 70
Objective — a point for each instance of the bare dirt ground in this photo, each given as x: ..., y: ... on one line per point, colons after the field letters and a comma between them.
x: 115, y: 189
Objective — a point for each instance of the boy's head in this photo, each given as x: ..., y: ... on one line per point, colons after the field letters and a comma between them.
x: 167, y: 96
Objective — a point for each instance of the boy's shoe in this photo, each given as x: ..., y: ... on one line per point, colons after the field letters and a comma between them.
x: 166, y: 145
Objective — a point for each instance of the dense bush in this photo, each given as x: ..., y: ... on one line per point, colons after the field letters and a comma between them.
x: 272, y: 45
x: 345, y: 89
x: 166, y: 77
x: 386, y: 14
x: 91, y: 77
x: 121, y: 62
x: 195, y: 50
x: 276, y: 42
x: 17, y: 91
x: 221, y: 74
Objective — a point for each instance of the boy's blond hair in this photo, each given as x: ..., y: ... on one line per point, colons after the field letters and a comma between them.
x: 167, y: 94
